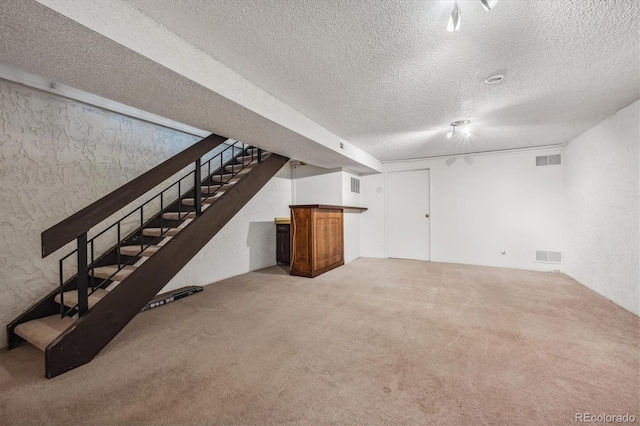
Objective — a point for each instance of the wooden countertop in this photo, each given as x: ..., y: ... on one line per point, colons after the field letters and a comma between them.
x: 328, y: 206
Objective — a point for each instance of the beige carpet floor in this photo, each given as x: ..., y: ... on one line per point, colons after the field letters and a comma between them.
x: 373, y: 342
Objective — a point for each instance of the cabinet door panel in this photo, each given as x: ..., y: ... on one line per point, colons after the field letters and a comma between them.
x: 283, y: 241
x: 327, y: 227
x: 301, y: 240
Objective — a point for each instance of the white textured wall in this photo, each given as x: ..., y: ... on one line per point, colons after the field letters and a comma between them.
x: 56, y: 157
x: 480, y: 204
x: 372, y: 236
x: 246, y: 243
x: 316, y: 185
x: 351, y: 218
x: 602, y: 190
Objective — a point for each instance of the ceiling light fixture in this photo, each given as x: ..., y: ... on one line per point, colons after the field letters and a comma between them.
x: 459, y: 123
x: 494, y: 79
x: 454, y: 19
x: 488, y: 4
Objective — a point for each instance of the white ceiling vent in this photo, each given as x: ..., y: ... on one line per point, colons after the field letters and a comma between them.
x: 548, y: 160
x: 355, y: 185
x: 548, y: 256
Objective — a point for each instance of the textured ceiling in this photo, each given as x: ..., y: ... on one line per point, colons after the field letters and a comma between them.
x: 38, y: 40
x: 388, y: 77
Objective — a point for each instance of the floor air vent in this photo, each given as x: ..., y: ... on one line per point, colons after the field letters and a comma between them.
x: 548, y: 160
x: 548, y: 256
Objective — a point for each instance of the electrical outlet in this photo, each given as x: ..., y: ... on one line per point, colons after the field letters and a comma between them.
x: 341, y: 145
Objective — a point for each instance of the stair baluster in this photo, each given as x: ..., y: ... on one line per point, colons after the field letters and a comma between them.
x: 197, y: 186
x: 83, y: 291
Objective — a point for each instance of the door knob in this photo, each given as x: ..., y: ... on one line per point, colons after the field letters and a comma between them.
x: 427, y: 215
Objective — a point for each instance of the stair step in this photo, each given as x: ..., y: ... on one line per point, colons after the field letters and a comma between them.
x: 105, y: 272
x: 42, y: 331
x: 206, y: 190
x: 211, y: 199
x: 254, y: 150
x: 225, y: 177
x: 246, y: 159
x: 238, y: 168
x: 179, y: 216
x: 183, y: 215
x: 157, y: 232
x: 71, y: 297
x: 134, y: 250
x: 217, y: 184
x: 211, y: 189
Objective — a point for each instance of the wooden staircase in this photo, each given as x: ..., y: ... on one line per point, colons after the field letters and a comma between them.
x: 71, y: 325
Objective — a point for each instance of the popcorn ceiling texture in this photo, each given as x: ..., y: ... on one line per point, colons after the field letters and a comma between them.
x: 387, y: 76
x: 57, y: 156
x: 64, y: 51
x: 602, y: 199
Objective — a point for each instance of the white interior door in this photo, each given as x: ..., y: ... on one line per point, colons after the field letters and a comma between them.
x: 408, y: 214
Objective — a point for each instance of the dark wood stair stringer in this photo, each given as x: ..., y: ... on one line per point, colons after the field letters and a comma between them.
x: 80, y: 343
x: 59, y: 235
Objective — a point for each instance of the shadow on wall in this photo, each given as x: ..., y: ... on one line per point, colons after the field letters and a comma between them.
x: 262, y: 245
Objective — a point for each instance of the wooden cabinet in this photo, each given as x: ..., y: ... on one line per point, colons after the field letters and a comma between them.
x: 317, y: 240
x: 283, y: 243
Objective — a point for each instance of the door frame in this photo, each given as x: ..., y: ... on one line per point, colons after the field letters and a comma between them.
x: 386, y: 207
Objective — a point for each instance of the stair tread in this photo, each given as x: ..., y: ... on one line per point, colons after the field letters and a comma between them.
x: 179, y: 216
x: 211, y: 199
x: 213, y: 188
x: 226, y: 177
x: 245, y: 159
x: 42, y: 331
x: 157, y: 232
x: 134, y: 250
x: 71, y: 297
x: 236, y: 168
x: 105, y: 272
x: 184, y: 215
x: 264, y: 151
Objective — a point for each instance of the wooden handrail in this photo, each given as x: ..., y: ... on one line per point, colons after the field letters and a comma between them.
x: 80, y: 222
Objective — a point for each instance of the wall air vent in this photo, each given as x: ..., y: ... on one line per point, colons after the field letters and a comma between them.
x: 542, y: 161
x: 555, y: 160
x: 355, y: 185
x: 548, y: 160
x: 548, y: 256
x: 542, y: 256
